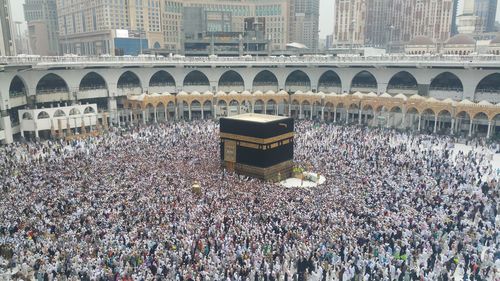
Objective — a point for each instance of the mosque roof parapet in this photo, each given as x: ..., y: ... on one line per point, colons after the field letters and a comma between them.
x: 421, y: 40
x: 416, y: 101
x: 401, y: 97
x: 461, y: 39
x: 220, y: 94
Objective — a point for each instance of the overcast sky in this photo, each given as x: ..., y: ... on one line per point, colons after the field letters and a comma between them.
x: 326, y: 15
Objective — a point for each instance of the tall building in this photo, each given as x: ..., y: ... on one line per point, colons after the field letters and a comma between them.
x: 109, y: 26
x: 43, y: 29
x: 275, y: 12
x: 390, y: 23
x: 468, y: 22
x: 7, y: 44
x: 304, y: 22
x: 486, y: 11
x: 350, y: 16
x: 378, y: 25
x: 454, y: 29
x: 21, y: 39
x: 478, y: 16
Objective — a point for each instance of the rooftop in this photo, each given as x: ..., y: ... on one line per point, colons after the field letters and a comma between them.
x: 258, y: 118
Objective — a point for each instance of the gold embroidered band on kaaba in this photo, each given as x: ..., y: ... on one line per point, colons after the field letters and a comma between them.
x: 257, y: 140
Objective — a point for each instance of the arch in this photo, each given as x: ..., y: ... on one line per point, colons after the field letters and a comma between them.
x: 489, y: 84
x: 364, y: 80
x: 329, y: 79
x: 27, y: 116
x: 51, y: 83
x: 231, y: 78
x: 307, y: 109
x: 271, y: 107
x: 17, y: 87
x: 161, y: 79
x: 196, y: 109
x: 222, y: 108
x: 43, y: 115
x: 196, y: 78
x: 295, y: 109
x: 265, y: 80
x: 59, y: 113
x: 89, y: 110
x: 428, y: 111
x: 233, y: 107
x: 207, y: 109
x: 170, y: 110
x: 92, y: 81
x: 428, y: 117
x: 74, y: 111
x: 480, y: 115
x: 396, y: 109
x: 161, y: 111
x: 401, y: 82
x: 258, y: 106
x: 129, y: 80
x: 480, y: 122
x: 446, y: 81
x: 298, y: 78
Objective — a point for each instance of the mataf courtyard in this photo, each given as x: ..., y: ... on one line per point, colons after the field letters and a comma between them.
x: 121, y: 205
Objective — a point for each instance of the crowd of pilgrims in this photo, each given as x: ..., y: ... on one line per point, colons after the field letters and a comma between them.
x: 396, y: 206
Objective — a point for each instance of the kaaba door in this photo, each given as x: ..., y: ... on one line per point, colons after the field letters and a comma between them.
x: 230, y: 166
x: 230, y: 154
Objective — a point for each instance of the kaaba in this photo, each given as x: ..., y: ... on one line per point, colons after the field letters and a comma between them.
x: 257, y: 145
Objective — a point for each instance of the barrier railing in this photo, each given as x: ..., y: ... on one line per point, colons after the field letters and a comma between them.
x: 274, y: 59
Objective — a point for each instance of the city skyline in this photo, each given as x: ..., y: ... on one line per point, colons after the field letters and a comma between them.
x: 326, y: 20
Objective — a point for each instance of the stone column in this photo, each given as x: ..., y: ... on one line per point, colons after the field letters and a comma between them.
x: 144, y: 116
x: 452, y: 129
x: 470, y: 128
x: 113, y: 109
x: 323, y: 113
x: 423, y: 89
x: 489, y: 129
x: 347, y: 116
x: 7, y: 126
x: 435, y: 123
x: 300, y: 111
x: 189, y: 112
x: 403, y: 125
x: 156, y: 117
x: 335, y: 115
x: 360, y: 116
x: 419, y: 122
